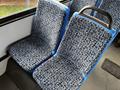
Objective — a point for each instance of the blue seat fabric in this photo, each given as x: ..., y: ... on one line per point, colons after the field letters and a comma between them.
x: 80, y: 50
x: 48, y: 25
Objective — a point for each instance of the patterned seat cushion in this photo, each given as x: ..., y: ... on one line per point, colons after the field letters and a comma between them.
x: 48, y: 26
x: 77, y: 5
x: 113, y: 7
x: 30, y: 52
x: 83, y: 43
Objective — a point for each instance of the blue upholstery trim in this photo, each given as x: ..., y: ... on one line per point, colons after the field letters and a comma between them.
x: 97, y: 4
x: 63, y: 28
x: 105, y: 49
x: 62, y: 31
x: 100, y: 3
x: 113, y: 33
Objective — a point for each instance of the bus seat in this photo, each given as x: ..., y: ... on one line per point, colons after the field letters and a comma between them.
x: 77, y: 5
x: 82, y: 46
x: 113, y: 7
x: 48, y: 28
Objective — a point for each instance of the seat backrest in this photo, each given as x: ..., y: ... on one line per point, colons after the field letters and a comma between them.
x: 50, y: 21
x: 84, y: 42
x: 77, y: 5
x: 113, y: 7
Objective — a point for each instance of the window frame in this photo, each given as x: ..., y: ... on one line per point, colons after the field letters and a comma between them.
x: 20, y: 15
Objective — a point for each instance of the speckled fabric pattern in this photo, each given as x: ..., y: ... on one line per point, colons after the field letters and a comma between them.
x: 79, y: 51
x: 113, y: 7
x: 30, y: 51
x: 47, y: 23
x: 77, y: 5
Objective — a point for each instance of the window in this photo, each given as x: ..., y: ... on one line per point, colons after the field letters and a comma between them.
x: 8, y: 7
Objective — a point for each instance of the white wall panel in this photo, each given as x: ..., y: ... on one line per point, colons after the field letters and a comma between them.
x: 11, y: 33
